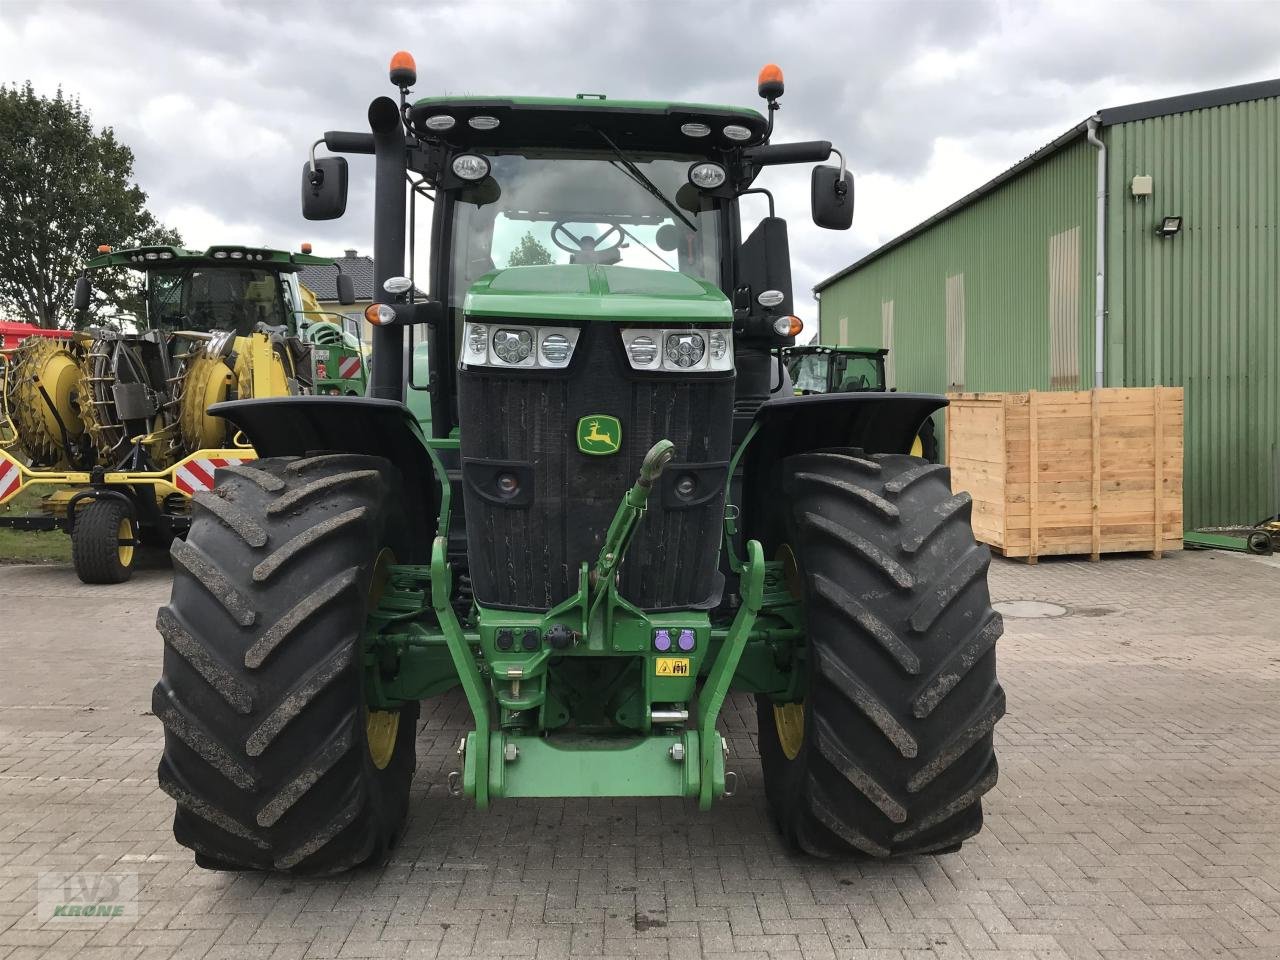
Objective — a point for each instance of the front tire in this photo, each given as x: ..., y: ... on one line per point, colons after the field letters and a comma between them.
x: 270, y: 753
x: 894, y: 746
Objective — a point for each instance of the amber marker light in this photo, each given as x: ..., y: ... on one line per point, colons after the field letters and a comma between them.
x: 788, y: 326
x: 380, y: 314
x: 769, y: 83
x: 404, y: 72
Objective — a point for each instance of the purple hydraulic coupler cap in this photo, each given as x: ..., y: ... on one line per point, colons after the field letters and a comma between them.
x: 686, y: 640
x: 662, y: 640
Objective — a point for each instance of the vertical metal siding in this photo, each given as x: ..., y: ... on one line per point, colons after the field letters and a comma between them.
x: 955, y: 331
x: 1064, y: 309
x: 886, y: 341
x: 1202, y: 310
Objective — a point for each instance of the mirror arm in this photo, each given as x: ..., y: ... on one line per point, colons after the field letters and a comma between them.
x: 312, y: 159
x: 841, y: 186
x: 760, y: 190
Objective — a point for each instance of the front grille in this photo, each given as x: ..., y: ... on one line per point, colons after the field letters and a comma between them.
x: 525, y: 551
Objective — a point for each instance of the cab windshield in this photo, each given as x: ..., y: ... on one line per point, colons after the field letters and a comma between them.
x: 856, y: 372
x: 583, y: 209
x: 215, y: 298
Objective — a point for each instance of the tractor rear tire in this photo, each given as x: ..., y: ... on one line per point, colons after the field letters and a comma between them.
x: 892, y: 750
x: 102, y: 550
x: 271, y: 754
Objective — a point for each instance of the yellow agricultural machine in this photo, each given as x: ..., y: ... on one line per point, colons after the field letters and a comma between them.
x: 112, y: 427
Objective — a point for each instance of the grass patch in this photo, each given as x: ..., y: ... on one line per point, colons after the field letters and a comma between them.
x: 19, y: 546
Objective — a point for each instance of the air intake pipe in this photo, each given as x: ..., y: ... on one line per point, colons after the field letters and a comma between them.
x: 386, y: 379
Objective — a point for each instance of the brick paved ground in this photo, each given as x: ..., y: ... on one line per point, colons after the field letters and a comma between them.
x: 1137, y: 815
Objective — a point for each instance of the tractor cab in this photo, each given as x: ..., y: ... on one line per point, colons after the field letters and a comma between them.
x: 224, y: 288
x: 819, y: 369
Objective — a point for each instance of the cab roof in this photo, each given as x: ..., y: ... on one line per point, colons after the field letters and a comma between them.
x: 829, y: 348
x: 223, y: 255
x: 576, y: 123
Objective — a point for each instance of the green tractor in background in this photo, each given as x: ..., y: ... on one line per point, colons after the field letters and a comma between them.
x: 818, y: 369
x: 614, y: 517
x: 111, y: 426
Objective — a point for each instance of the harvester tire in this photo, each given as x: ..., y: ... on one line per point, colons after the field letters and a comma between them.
x: 101, y: 551
x: 271, y: 754
x: 892, y: 750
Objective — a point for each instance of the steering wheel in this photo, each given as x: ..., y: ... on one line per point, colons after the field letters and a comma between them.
x: 580, y: 243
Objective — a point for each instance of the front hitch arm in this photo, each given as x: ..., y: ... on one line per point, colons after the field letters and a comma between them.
x: 628, y: 515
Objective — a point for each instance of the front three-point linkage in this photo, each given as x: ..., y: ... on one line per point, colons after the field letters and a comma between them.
x: 625, y: 520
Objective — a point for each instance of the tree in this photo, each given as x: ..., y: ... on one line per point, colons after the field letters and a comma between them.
x: 66, y: 189
x: 529, y: 251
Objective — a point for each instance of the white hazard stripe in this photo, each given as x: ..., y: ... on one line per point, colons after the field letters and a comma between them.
x: 10, y: 478
x: 196, y: 476
x: 349, y: 367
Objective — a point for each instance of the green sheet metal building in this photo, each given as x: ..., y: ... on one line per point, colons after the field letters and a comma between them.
x: 1152, y: 230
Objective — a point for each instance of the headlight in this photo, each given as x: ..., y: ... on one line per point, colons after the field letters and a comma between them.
x: 441, y: 121
x: 483, y: 123
x: 643, y: 351
x: 513, y: 346
x: 556, y: 349
x: 719, y: 344
x: 695, y: 129
x: 707, y: 176
x: 736, y: 132
x: 683, y: 350
x: 477, y: 341
x: 528, y: 347
x: 470, y: 166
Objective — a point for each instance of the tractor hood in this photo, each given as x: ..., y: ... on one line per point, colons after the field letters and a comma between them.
x: 596, y: 292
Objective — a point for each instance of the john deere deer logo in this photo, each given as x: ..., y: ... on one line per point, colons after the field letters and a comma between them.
x: 599, y: 434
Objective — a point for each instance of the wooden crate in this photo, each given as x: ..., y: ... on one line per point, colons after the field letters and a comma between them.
x: 1088, y: 472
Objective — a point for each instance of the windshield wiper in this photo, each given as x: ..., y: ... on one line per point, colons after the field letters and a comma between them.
x: 661, y: 259
x: 645, y: 182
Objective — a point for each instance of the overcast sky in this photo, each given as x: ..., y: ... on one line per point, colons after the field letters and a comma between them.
x: 220, y: 100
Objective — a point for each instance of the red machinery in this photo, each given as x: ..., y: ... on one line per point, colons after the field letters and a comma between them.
x: 13, y: 333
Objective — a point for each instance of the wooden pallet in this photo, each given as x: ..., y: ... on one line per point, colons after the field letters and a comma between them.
x: 1087, y: 472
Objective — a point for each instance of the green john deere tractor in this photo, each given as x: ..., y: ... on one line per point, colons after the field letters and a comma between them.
x: 617, y: 518
x: 816, y: 369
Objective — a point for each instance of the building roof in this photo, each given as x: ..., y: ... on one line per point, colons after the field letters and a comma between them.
x: 321, y: 281
x: 1129, y: 113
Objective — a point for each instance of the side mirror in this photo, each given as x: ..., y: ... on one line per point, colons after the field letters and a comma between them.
x: 346, y: 289
x: 84, y: 292
x: 324, y: 189
x: 832, y: 198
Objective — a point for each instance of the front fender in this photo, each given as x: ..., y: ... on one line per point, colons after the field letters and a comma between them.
x: 300, y: 425
x: 876, y: 422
